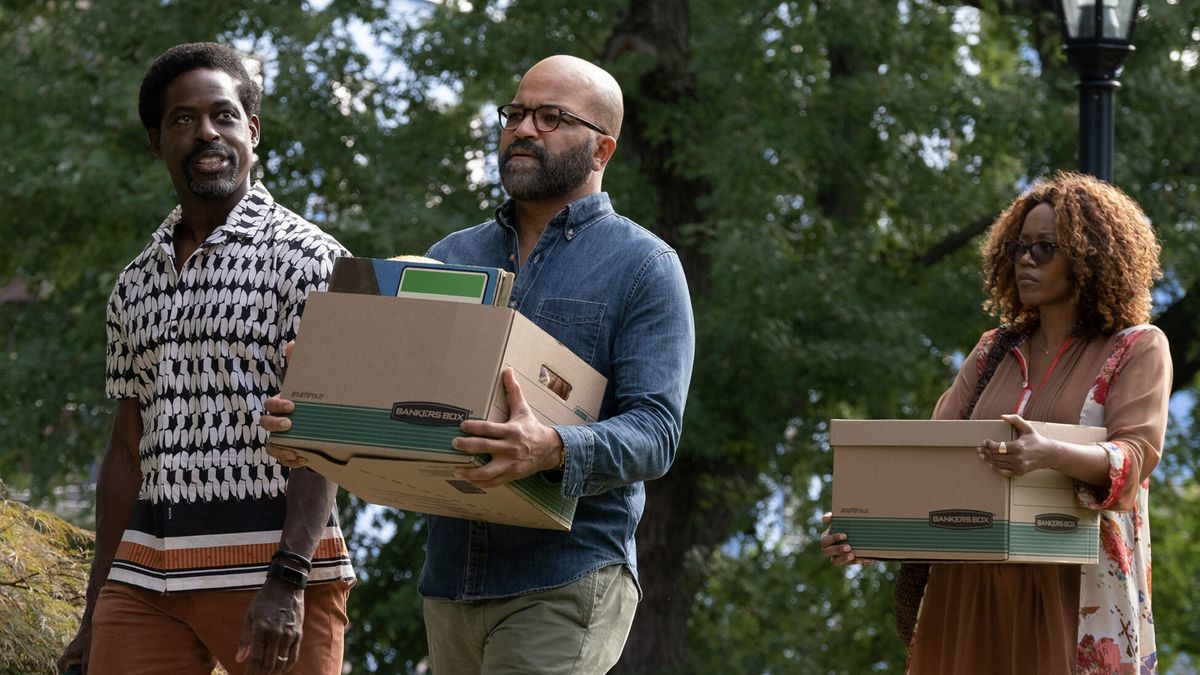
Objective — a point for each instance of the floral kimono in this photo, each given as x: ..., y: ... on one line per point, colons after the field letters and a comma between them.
x: 1116, y: 627
x: 1089, y: 619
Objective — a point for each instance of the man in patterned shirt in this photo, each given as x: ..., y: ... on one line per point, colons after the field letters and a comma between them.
x: 207, y: 549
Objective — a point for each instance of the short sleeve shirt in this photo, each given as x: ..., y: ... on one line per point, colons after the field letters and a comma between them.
x: 201, y: 349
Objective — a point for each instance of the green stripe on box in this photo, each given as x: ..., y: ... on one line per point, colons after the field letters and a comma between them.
x: 372, y: 427
x: 443, y: 282
x: 915, y: 534
x: 546, y: 495
x: 1028, y: 540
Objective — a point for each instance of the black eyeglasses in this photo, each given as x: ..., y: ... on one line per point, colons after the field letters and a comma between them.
x: 546, y: 118
x: 1040, y: 251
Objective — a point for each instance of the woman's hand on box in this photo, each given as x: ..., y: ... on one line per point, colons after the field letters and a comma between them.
x: 834, y: 546
x: 1029, y: 452
x: 1086, y: 462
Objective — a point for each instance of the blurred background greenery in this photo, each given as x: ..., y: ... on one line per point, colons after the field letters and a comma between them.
x: 824, y: 168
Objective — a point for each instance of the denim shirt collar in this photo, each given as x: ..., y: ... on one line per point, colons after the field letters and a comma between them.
x: 572, y: 220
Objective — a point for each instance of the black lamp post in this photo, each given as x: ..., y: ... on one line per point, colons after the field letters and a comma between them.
x: 1097, y: 34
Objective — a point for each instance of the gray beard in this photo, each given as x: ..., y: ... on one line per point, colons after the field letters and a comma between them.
x: 556, y: 177
x: 220, y: 188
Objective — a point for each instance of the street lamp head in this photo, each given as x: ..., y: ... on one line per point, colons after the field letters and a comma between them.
x: 1097, y: 34
x: 1089, y: 20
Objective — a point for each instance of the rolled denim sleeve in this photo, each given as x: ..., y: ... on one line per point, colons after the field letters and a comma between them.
x: 650, y: 373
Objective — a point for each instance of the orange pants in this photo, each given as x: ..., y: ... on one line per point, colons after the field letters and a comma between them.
x: 138, y: 632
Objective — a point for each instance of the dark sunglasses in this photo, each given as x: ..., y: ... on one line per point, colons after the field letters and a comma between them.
x: 1040, y: 251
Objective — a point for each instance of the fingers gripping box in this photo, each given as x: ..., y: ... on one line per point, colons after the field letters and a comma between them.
x: 381, y: 385
x: 917, y: 490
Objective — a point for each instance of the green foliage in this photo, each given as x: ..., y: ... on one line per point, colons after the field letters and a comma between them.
x: 1175, y: 517
x: 838, y: 146
x: 387, y: 633
x: 762, y: 617
x: 43, y: 577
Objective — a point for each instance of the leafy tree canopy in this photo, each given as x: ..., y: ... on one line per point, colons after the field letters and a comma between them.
x: 824, y: 168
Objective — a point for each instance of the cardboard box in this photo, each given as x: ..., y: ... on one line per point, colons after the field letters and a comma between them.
x: 417, y: 279
x: 917, y: 490
x: 381, y: 385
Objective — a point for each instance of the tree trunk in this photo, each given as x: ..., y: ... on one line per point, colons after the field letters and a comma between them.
x: 657, y: 641
x: 667, y: 533
x: 660, y: 28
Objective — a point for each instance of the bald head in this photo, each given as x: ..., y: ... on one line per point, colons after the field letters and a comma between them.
x: 581, y: 86
x: 554, y: 168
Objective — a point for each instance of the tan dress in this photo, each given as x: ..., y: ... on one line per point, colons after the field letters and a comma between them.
x: 981, y: 618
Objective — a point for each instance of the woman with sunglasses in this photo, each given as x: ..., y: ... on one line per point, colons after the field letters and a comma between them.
x: 1068, y: 269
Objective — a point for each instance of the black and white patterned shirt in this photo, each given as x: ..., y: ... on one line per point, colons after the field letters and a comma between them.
x: 201, y: 350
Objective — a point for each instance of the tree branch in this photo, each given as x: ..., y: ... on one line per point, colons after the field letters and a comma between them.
x: 23, y: 582
x: 954, y: 241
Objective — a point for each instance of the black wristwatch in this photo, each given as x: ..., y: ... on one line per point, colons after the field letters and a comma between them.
x: 288, y: 575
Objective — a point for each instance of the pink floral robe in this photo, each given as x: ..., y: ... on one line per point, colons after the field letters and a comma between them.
x: 1030, y: 618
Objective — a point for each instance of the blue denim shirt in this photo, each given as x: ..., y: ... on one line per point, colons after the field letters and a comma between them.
x: 615, y: 295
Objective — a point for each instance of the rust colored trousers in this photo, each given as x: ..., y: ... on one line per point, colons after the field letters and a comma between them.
x: 139, y: 632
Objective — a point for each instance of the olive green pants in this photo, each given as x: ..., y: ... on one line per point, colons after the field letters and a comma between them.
x: 577, y: 629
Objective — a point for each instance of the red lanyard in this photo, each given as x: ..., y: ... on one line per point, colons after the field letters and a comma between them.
x: 1026, y: 390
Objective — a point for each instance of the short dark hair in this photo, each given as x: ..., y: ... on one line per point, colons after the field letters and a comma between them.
x: 180, y: 59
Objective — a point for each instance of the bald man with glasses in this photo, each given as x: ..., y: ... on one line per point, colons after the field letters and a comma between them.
x: 510, y: 599
x: 518, y: 600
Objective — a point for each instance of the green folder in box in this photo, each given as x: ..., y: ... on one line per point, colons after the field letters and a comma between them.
x: 418, y: 279
x: 453, y: 285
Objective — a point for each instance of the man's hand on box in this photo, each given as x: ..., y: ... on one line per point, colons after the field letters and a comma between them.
x: 275, y: 419
x: 286, y: 457
x: 520, y: 447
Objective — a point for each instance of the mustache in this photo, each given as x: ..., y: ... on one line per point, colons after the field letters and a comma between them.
x: 527, y: 146
x: 206, y: 146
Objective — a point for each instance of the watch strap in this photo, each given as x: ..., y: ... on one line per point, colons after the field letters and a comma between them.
x: 295, y: 557
x: 288, y: 575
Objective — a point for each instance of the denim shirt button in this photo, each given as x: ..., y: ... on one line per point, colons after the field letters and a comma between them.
x: 571, y: 232
x: 512, y: 303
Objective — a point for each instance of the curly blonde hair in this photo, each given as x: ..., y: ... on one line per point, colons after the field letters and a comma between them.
x: 1110, y: 247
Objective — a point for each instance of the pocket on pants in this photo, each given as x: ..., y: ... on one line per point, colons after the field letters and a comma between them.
x: 598, y: 585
